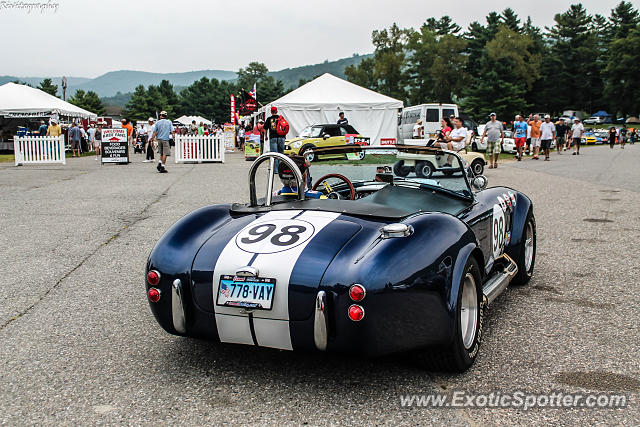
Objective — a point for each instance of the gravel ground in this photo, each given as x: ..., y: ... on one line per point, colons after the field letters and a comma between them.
x: 80, y: 346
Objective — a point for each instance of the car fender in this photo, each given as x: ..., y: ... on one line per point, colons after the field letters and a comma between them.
x: 522, y: 208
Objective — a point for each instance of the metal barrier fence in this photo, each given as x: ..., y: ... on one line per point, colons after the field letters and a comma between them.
x: 39, y: 150
x: 201, y: 148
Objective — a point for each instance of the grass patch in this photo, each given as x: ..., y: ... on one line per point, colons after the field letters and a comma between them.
x: 6, y: 158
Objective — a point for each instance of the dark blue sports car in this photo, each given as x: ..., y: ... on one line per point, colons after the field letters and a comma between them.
x: 369, y: 266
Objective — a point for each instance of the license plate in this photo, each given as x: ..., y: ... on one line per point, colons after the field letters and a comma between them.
x: 246, y: 292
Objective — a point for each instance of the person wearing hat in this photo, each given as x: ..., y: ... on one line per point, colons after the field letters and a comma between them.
x: 54, y: 128
x: 42, y: 131
x: 288, y: 179
x: 341, y: 119
x: 547, y: 133
x: 576, y: 133
x: 418, y: 130
x: 494, y: 132
x: 276, y: 142
x: 162, y: 132
x: 149, y: 149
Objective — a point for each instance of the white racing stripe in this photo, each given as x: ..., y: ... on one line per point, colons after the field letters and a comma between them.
x: 273, y: 261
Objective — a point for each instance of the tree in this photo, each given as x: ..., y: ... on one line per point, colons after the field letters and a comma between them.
x: 254, y: 73
x: 139, y: 106
x: 389, y: 67
x: 88, y: 101
x: 170, y: 97
x: 510, y: 19
x: 574, y: 42
x: 623, y: 90
x: 362, y: 74
x: 623, y: 19
x: 508, y: 70
x: 47, y: 86
x: 443, y: 26
x: 436, y: 66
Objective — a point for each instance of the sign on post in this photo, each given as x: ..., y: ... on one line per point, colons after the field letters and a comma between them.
x: 115, y: 146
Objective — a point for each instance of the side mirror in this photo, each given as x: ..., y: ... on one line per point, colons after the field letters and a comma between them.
x: 325, y: 136
x: 480, y: 182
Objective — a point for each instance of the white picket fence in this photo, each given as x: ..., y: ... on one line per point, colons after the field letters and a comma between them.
x: 39, y: 150
x: 202, y: 148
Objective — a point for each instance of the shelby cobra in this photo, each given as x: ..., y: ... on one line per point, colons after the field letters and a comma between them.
x: 384, y: 265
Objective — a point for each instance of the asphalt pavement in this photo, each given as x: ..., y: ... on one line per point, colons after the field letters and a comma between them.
x: 80, y: 346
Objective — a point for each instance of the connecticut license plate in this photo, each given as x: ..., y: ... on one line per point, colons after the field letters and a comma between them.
x: 246, y: 292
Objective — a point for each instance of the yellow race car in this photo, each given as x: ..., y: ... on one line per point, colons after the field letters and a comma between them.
x: 322, y: 136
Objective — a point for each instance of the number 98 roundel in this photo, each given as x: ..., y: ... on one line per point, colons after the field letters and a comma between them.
x: 275, y: 235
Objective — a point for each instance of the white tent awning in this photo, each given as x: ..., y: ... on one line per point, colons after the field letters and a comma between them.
x: 186, y: 120
x: 372, y: 114
x: 23, y: 101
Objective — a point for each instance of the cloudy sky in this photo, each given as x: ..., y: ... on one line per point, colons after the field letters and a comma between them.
x: 88, y: 38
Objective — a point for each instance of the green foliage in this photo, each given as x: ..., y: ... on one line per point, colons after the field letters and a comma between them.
x: 363, y: 74
x: 47, y: 86
x: 208, y: 98
x: 624, y: 57
x: 89, y: 101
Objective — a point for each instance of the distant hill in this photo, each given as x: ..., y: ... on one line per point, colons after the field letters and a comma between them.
x: 126, y: 81
x: 290, y: 77
x: 115, y: 87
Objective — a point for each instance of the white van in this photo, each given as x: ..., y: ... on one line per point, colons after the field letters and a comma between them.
x: 430, y: 115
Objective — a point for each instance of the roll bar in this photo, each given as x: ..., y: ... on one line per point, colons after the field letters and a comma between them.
x: 272, y: 156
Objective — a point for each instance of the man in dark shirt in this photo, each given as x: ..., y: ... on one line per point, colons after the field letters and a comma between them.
x: 561, y: 134
x: 342, y: 120
x: 276, y: 142
x: 42, y: 131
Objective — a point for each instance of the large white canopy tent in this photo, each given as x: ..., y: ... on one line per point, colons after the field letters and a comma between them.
x: 186, y: 120
x: 373, y: 115
x: 17, y: 101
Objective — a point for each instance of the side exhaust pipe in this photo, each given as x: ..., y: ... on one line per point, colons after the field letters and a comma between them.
x: 500, y: 280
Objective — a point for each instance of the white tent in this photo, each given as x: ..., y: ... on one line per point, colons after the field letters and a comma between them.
x: 17, y: 101
x: 186, y: 120
x: 373, y: 115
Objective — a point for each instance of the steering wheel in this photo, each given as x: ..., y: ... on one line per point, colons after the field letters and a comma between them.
x: 328, y: 188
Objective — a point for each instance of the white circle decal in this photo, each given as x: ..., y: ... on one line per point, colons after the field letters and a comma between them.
x: 276, y: 235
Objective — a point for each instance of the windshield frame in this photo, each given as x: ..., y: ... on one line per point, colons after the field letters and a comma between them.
x: 416, y: 149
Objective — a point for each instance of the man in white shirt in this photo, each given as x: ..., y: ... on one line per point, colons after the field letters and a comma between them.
x: 418, y: 130
x: 92, y: 137
x: 547, y: 133
x: 457, y: 137
x: 576, y: 133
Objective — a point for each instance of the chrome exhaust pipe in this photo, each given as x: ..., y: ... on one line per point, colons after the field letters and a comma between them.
x: 499, y: 281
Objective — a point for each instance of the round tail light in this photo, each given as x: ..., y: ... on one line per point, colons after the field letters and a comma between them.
x: 357, y: 292
x: 153, y: 294
x: 153, y: 277
x: 356, y: 313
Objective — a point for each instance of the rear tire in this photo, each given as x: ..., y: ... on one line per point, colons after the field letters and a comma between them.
x: 527, y: 257
x: 399, y: 169
x: 424, y: 169
x: 459, y: 355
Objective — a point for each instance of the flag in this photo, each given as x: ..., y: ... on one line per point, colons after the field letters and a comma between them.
x: 253, y: 93
x: 224, y: 290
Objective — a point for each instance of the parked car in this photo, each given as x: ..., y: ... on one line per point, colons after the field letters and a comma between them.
x: 323, y: 135
x: 385, y: 265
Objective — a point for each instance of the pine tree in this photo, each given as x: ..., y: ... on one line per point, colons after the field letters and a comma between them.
x: 139, y: 107
x: 47, y: 86
x: 623, y: 19
x: 574, y: 43
x: 623, y: 90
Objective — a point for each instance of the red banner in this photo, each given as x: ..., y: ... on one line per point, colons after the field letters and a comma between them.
x: 233, y: 109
